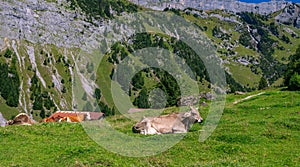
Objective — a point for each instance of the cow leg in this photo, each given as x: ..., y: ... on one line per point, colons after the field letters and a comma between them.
x: 164, y: 131
x: 151, y: 131
x: 179, y: 130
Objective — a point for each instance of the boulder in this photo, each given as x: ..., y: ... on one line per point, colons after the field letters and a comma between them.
x: 2, y: 120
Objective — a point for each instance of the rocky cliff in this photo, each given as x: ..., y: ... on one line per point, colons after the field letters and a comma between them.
x: 44, y: 37
x: 230, y: 5
x: 290, y: 15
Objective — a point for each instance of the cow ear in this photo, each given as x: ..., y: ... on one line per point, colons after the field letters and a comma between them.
x: 193, y: 110
x: 187, y: 114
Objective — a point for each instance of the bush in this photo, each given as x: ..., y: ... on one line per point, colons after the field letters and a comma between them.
x: 9, y: 83
x: 97, y: 93
x: 138, y: 80
x: 38, y: 103
x: 245, y: 39
x: 8, y: 53
x: 273, y: 28
x: 262, y: 83
x: 293, y: 72
x: 42, y: 113
x: 285, y: 39
x: 142, y: 100
x: 294, y: 83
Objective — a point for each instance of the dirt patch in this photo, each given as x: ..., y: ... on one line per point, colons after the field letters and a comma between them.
x: 134, y: 110
x: 248, y: 97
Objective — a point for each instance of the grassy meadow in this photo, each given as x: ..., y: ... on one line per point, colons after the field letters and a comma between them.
x: 261, y: 131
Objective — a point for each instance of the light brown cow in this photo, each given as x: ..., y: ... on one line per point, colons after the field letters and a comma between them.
x: 21, y: 119
x: 172, y: 123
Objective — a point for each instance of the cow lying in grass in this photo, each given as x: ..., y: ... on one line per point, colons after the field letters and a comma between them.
x: 65, y: 117
x: 78, y: 118
x: 21, y: 119
x: 70, y: 116
x: 171, y: 123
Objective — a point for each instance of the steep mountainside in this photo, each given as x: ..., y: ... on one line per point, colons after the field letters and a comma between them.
x: 229, y: 5
x: 290, y: 15
x: 46, y: 47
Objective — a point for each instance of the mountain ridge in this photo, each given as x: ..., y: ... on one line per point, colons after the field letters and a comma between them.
x: 229, y: 5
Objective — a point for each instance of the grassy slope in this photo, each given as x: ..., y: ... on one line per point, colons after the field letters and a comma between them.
x: 263, y: 131
x: 7, y: 112
x: 280, y: 55
x: 45, y: 71
x: 103, y: 81
x: 245, y: 76
x: 210, y: 22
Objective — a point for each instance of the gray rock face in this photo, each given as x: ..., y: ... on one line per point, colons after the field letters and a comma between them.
x: 44, y: 22
x: 231, y: 5
x: 2, y: 120
x: 193, y: 100
x: 297, y: 22
x: 2, y: 44
x: 290, y: 15
x: 39, y: 21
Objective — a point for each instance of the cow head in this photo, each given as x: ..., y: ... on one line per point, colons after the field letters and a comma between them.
x: 142, y: 126
x: 10, y: 122
x: 195, y: 115
x: 138, y: 127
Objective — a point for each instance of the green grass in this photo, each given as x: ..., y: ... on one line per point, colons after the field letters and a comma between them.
x: 104, y: 80
x: 7, y: 112
x: 242, y: 51
x: 247, y: 77
x: 262, y: 131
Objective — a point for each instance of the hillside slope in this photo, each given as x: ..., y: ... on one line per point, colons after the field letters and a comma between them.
x: 47, y: 45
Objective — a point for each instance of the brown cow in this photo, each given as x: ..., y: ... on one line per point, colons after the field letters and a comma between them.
x: 71, y: 116
x: 51, y: 119
x: 171, y: 123
x: 21, y: 119
x: 78, y: 118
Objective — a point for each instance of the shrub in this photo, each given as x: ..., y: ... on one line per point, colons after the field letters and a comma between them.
x: 294, y: 83
x: 262, y: 83
x: 8, y: 53
x: 292, y: 79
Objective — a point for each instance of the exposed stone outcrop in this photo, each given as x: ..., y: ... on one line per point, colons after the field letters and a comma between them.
x: 45, y: 22
x: 2, y: 120
x: 290, y: 15
x: 193, y: 100
x: 230, y: 5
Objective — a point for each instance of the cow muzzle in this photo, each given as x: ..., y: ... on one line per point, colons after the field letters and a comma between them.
x: 135, y: 129
x: 200, y: 120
